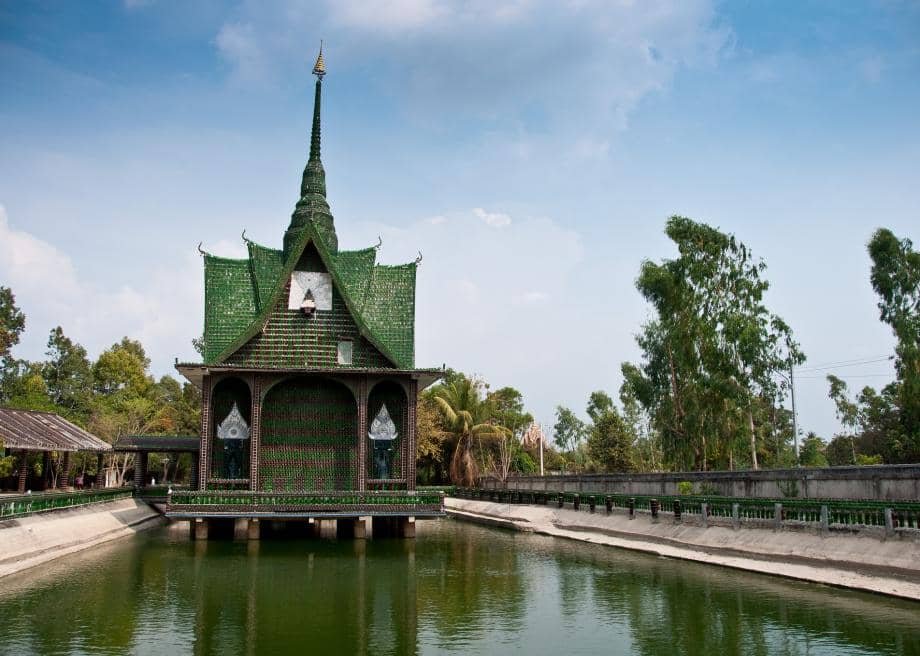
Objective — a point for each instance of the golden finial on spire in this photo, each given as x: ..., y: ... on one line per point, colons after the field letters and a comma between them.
x: 319, y: 69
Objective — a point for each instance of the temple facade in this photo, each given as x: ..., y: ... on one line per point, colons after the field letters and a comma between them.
x: 308, y: 376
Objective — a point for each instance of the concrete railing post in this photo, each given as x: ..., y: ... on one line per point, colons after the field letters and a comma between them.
x: 777, y: 515
x: 608, y: 504
x: 654, y: 506
x: 631, y: 503
x: 677, y: 510
x: 592, y: 503
x: 889, y: 522
x: 704, y: 514
x: 736, y: 516
x: 825, y: 524
x: 576, y: 503
x: 560, y: 499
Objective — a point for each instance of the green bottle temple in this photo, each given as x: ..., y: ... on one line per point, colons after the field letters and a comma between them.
x: 308, y: 376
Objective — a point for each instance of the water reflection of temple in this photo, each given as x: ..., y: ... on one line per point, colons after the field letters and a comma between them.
x: 308, y: 378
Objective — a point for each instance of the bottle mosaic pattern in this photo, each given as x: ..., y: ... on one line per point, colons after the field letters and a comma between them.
x: 309, y: 430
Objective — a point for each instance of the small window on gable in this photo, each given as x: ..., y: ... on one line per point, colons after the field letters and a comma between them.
x: 345, y: 351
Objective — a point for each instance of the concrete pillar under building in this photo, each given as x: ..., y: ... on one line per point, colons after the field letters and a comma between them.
x: 200, y: 528
x: 362, y: 528
x: 241, y: 528
x: 253, y: 529
x: 23, y: 470
x: 327, y: 528
x: 407, y: 527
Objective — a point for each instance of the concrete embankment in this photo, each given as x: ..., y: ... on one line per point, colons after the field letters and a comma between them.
x: 36, y: 539
x: 888, y: 566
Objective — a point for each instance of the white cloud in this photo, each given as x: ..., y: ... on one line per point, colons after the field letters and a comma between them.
x: 241, y: 46
x: 495, y: 301
x: 581, y: 67
x: 393, y: 15
x: 531, y: 298
x: 437, y: 220
x: 51, y: 292
x: 494, y: 219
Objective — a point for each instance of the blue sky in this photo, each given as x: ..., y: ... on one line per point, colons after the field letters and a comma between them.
x: 531, y: 150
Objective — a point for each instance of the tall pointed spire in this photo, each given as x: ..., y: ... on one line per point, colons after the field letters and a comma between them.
x: 319, y: 70
x: 312, y: 205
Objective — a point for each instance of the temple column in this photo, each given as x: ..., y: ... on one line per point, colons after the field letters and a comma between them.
x: 362, y: 434
x: 140, y: 469
x: 410, y: 446
x: 255, y: 432
x: 100, y: 470
x: 65, y: 471
x: 23, y: 470
x: 193, y: 473
x: 204, y: 455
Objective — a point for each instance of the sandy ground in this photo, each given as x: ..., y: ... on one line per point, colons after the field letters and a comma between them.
x: 32, y: 541
x: 888, y: 566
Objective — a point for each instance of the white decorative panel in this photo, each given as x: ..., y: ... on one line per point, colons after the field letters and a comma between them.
x: 320, y: 284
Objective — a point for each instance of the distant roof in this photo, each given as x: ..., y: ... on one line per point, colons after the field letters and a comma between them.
x: 159, y: 443
x: 45, y: 431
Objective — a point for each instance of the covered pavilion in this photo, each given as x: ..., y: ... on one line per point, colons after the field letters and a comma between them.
x: 23, y: 431
x: 144, y: 445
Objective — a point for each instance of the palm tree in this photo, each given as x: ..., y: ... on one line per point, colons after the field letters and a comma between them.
x: 466, y: 416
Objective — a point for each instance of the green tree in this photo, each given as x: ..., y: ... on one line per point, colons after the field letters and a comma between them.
x: 466, y: 418
x: 895, y: 278
x: 68, y: 375
x: 569, y: 430
x: 12, y: 321
x: 811, y: 453
x: 839, y: 451
x: 714, y: 352
x: 507, y: 409
x: 599, y: 403
x: 430, y: 447
x: 610, y: 442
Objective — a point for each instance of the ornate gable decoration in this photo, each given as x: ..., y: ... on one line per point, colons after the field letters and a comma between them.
x: 233, y: 427
x: 383, y: 428
x: 311, y: 287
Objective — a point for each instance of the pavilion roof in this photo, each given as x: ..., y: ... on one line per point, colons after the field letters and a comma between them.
x: 31, y: 430
x: 159, y: 443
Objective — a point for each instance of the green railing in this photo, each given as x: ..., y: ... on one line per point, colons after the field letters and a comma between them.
x: 239, y: 502
x: 825, y: 513
x: 30, y: 504
x: 158, y: 491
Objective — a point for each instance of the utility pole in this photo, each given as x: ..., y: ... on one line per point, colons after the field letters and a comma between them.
x: 542, y: 437
x: 795, y: 427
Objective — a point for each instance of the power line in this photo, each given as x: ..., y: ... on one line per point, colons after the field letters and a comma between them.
x: 846, y: 377
x: 845, y: 363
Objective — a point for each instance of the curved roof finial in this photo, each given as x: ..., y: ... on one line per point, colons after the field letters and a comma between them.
x: 379, y: 243
x: 248, y: 241
x: 201, y: 252
x: 418, y: 260
x: 319, y: 68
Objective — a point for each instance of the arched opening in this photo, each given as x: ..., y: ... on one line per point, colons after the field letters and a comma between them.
x: 308, y: 441
x: 385, y: 457
x: 230, y: 449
